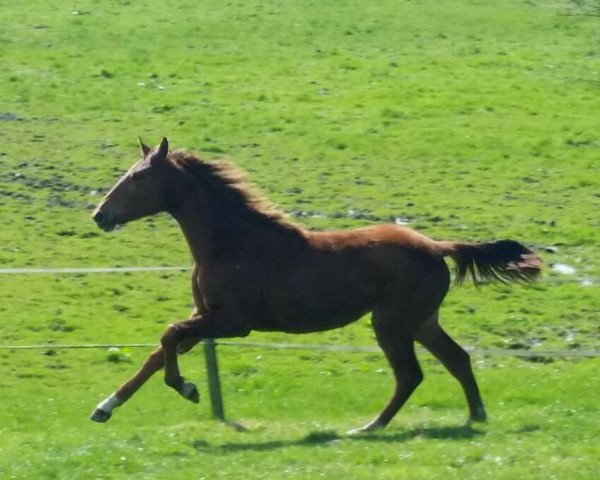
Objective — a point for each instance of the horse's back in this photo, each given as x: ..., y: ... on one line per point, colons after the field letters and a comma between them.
x: 390, y: 252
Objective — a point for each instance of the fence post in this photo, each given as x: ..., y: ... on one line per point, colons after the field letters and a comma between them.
x: 214, y: 383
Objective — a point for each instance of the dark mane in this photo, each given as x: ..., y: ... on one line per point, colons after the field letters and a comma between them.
x: 229, y: 185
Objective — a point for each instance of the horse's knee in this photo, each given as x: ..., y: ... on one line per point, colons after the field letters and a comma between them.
x: 170, y: 338
x: 244, y: 331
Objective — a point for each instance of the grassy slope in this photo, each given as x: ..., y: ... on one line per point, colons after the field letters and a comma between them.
x: 473, y: 121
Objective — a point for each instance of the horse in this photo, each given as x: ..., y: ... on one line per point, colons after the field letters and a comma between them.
x: 254, y: 270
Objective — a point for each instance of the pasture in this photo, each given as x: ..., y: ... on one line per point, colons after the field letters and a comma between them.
x: 465, y: 120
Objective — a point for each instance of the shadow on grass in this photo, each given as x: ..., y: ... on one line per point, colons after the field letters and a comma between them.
x: 463, y: 432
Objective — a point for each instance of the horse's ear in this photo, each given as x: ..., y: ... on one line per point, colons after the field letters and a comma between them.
x: 145, y: 149
x: 161, y: 151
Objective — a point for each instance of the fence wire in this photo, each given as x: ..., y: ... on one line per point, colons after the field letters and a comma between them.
x: 485, y: 352
x: 569, y: 278
x: 67, y: 270
x: 523, y: 353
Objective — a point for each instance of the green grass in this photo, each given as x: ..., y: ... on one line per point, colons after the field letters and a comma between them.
x: 296, y: 421
x: 472, y: 120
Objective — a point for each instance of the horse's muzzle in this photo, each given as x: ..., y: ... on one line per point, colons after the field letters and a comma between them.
x: 103, y: 221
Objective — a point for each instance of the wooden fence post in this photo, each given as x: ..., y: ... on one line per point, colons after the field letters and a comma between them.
x: 214, y: 383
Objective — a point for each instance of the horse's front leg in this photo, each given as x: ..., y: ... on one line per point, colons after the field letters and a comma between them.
x: 209, y: 325
x: 154, y: 362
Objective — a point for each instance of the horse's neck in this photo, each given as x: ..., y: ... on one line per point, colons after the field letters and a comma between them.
x: 195, y: 223
x: 207, y: 229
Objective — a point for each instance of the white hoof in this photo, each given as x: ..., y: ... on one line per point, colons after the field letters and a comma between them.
x: 104, y: 409
x: 100, y: 416
x: 369, y: 427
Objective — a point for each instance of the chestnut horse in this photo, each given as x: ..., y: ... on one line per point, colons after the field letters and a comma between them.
x: 254, y: 270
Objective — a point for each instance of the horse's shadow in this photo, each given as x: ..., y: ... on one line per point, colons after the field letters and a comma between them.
x: 323, y: 437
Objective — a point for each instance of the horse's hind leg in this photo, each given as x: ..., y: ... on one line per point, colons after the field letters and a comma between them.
x: 154, y: 362
x: 395, y: 337
x: 433, y: 337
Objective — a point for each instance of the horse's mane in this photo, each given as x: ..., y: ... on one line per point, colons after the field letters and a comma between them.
x: 232, y: 190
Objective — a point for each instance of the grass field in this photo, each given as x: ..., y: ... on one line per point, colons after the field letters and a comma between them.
x: 466, y: 119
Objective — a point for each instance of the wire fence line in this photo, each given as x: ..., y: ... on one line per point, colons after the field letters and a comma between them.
x: 505, y: 352
x: 548, y: 353
x: 569, y: 278
x: 72, y: 270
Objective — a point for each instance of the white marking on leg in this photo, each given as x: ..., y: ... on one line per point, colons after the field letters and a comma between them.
x: 369, y: 427
x: 108, y: 404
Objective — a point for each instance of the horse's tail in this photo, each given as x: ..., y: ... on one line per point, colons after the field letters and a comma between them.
x: 502, y: 261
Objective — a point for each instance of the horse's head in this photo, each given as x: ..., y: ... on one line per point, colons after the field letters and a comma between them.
x: 141, y: 192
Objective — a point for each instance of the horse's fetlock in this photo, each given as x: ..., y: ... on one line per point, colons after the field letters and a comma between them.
x: 174, y: 382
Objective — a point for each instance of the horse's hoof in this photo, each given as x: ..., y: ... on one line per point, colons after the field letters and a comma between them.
x: 100, y: 416
x: 368, y: 428
x: 190, y: 392
x: 479, y: 416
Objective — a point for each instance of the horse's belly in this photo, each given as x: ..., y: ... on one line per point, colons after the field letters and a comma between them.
x: 314, y: 308
x: 306, y: 322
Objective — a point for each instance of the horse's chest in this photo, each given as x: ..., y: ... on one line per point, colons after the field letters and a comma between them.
x: 222, y: 286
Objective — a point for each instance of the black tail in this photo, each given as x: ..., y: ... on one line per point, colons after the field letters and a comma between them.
x: 502, y: 261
